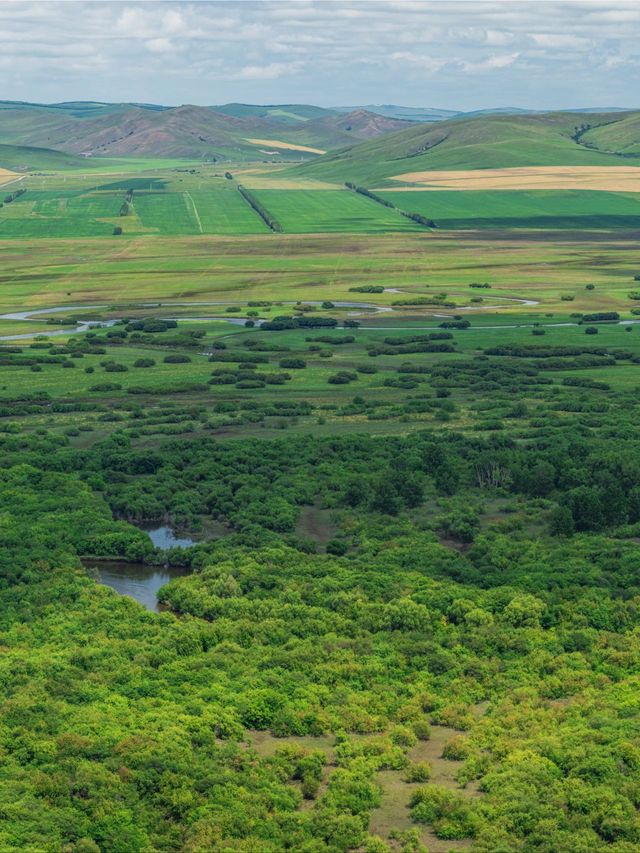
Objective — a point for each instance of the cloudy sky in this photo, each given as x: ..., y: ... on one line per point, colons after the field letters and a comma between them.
x: 457, y: 55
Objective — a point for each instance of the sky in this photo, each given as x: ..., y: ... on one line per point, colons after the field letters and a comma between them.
x: 450, y: 55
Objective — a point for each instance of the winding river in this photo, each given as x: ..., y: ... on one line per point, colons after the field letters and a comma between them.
x: 41, y: 314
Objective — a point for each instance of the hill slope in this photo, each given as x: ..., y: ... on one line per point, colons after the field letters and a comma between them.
x: 22, y: 158
x: 284, y: 113
x: 621, y: 135
x: 185, y: 131
x: 484, y: 142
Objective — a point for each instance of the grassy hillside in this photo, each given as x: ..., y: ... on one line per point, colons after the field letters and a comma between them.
x: 22, y: 158
x: 622, y: 136
x: 483, y: 142
x: 125, y: 130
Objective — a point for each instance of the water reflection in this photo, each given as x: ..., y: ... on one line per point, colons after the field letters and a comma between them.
x: 137, y: 580
x: 164, y: 537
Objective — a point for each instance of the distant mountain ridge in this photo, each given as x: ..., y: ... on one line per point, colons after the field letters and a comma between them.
x: 189, y: 131
x: 294, y: 132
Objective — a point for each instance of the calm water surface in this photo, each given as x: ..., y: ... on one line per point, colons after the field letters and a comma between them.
x: 164, y: 537
x: 137, y: 580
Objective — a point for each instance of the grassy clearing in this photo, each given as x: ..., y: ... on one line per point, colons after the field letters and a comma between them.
x: 393, y: 812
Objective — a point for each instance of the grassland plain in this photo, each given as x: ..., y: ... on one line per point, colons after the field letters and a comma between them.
x: 540, y: 267
x: 313, y: 378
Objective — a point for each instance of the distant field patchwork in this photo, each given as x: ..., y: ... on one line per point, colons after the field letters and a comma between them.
x: 187, y: 201
x: 78, y: 212
x: 185, y: 206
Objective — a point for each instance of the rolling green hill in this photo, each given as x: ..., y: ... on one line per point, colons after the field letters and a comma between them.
x: 23, y: 158
x: 125, y: 130
x: 622, y: 136
x: 484, y: 142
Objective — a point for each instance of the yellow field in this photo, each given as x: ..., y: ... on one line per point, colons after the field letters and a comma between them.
x: 6, y: 175
x: 276, y: 143
x: 605, y: 178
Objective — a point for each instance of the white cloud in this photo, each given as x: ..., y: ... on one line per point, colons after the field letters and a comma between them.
x: 552, y: 53
x: 161, y: 45
x: 418, y: 61
x: 272, y: 71
x: 564, y: 41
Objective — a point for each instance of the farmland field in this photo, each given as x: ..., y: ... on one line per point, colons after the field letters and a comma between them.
x: 534, y: 208
x: 181, y: 202
x: 604, y: 179
x: 341, y: 211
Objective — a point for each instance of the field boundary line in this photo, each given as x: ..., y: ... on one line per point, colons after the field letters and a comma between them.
x: 195, y: 211
x: 12, y: 181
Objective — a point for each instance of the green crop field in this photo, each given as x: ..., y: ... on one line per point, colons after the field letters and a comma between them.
x: 551, y: 209
x: 214, y: 209
x: 341, y: 211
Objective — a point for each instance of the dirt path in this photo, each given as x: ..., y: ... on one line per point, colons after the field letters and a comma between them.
x: 195, y: 212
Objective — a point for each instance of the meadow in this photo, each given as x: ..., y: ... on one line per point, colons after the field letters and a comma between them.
x: 541, y: 269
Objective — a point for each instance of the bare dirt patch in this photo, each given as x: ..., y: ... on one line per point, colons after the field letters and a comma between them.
x: 604, y: 178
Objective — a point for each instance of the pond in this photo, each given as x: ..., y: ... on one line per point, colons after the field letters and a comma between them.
x: 164, y: 537
x: 137, y: 580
